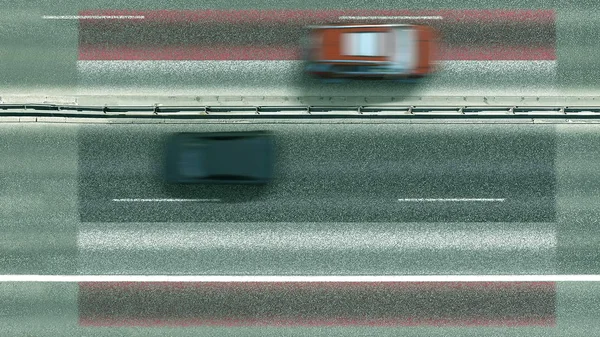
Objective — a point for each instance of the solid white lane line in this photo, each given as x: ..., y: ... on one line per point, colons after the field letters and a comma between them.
x: 165, y: 200
x: 452, y: 200
x: 92, y: 17
x: 198, y: 278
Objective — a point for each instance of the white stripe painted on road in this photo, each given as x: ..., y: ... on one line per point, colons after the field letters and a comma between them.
x: 522, y: 240
x: 452, y: 200
x: 200, y: 278
x: 92, y: 17
x: 433, y: 17
x: 166, y: 200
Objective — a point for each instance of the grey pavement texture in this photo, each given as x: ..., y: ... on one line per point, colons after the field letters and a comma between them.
x: 41, y: 57
x: 59, y: 216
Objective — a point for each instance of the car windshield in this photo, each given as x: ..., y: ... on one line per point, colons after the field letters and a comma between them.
x: 364, y: 44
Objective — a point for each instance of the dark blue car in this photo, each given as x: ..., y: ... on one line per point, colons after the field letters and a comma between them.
x: 220, y: 158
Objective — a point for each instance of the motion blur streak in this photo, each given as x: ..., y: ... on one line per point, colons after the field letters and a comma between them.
x: 318, y: 304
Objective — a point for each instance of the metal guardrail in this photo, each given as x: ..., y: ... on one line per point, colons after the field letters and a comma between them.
x: 151, y: 111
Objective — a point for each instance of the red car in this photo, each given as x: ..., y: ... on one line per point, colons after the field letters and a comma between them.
x: 387, y: 51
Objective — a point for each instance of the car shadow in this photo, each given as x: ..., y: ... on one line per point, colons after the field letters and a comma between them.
x: 216, y: 193
x: 316, y: 91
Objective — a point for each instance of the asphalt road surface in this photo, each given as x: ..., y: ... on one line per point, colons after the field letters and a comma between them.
x: 331, y: 173
x: 348, y: 198
x: 45, y: 309
x: 526, y: 48
x: 338, y: 206
x: 59, y: 217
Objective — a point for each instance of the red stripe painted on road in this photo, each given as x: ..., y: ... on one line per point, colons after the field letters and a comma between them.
x: 192, y: 53
x: 318, y: 304
x: 268, y: 53
x: 96, y: 44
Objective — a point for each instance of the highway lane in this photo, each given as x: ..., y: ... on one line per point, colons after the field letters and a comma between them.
x: 46, y: 309
x: 46, y: 56
x: 38, y: 199
x: 47, y: 168
x: 332, y: 173
x: 577, y: 202
x: 66, y: 220
x: 347, y: 198
x: 49, y: 199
